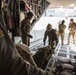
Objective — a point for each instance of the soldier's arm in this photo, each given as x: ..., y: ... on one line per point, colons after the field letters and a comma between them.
x: 23, y: 26
x: 10, y: 61
x: 23, y: 29
x: 58, y: 26
x: 45, y: 37
x: 74, y: 30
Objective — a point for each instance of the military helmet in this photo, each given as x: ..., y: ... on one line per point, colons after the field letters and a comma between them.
x: 49, y: 26
x: 71, y: 19
x: 63, y: 21
x: 29, y: 14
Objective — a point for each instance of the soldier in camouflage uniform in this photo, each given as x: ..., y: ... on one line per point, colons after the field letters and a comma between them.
x: 25, y: 28
x: 52, y: 36
x: 61, y: 28
x: 72, y: 27
x: 48, y: 28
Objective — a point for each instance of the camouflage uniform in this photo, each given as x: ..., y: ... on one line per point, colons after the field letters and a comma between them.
x: 45, y: 36
x: 25, y: 29
x: 72, y: 28
x: 42, y: 56
x: 52, y: 36
x: 75, y: 35
x: 61, y: 32
x: 11, y: 62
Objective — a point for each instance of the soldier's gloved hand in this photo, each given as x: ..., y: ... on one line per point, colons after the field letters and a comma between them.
x: 30, y: 36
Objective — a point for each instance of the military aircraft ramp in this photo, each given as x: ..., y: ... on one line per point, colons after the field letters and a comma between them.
x: 62, y: 53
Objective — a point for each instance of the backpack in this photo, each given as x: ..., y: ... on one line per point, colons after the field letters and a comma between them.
x: 41, y: 57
